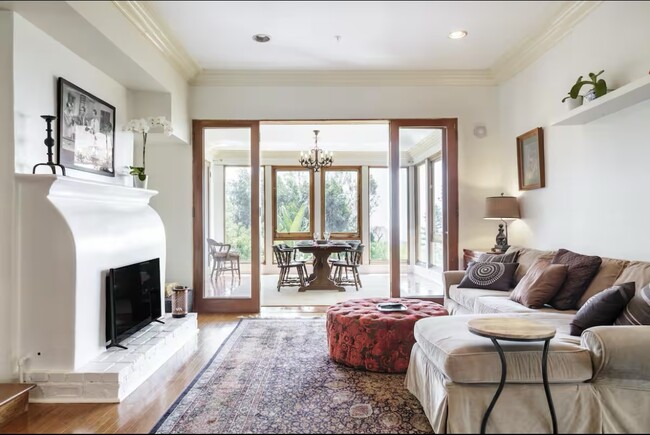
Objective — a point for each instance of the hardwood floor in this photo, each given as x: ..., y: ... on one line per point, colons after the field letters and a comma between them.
x: 142, y: 409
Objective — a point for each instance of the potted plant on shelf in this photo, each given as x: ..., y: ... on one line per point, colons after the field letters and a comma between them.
x: 143, y: 125
x: 599, y: 88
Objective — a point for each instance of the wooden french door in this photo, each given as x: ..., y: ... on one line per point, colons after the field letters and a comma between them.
x: 446, y: 131
x: 225, y: 168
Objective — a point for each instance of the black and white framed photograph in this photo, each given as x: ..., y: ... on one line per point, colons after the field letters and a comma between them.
x: 86, y: 130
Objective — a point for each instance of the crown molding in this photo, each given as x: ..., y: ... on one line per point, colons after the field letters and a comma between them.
x: 344, y: 78
x: 533, y: 47
x: 154, y: 29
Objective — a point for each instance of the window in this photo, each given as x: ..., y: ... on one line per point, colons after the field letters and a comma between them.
x: 403, y: 215
x: 378, y: 211
x: 437, y: 254
x: 341, y: 202
x: 237, y: 210
x: 421, y: 224
x: 293, y: 203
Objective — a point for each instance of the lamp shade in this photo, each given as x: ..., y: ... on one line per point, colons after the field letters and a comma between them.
x: 501, y: 207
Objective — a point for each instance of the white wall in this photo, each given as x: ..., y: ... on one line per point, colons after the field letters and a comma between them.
x: 478, y: 158
x: 597, y: 175
x: 38, y: 62
x: 167, y: 163
x: 7, y: 293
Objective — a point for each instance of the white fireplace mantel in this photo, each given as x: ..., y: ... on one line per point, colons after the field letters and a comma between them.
x: 70, y: 233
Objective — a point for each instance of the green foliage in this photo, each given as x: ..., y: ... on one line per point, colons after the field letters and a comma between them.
x: 599, y: 86
x: 139, y: 171
x: 291, y: 217
x: 292, y: 194
x: 378, y: 246
x: 238, y: 196
x: 341, y: 202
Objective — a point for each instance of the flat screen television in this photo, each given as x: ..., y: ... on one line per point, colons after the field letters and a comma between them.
x: 132, y: 299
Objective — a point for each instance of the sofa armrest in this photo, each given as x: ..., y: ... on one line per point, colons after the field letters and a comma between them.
x: 451, y: 277
x: 619, y: 352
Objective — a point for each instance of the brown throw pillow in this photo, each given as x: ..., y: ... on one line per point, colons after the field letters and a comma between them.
x: 582, y: 269
x: 492, y: 276
x: 510, y: 257
x: 637, y: 311
x: 540, y: 284
x: 602, y: 308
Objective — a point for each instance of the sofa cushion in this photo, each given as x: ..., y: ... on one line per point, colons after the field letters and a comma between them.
x: 609, y: 270
x: 494, y: 305
x: 603, y: 308
x: 491, y: 276
x: 582, y: 269
x: 464, y: 357
x: 540, y: 284
x: 467, y: 296
x: 526, y: 259
x: 637, y: 311
x: 637, y: 271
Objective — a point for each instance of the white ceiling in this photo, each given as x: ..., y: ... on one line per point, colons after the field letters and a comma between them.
x: 405, y: 35
x: 335, y: 137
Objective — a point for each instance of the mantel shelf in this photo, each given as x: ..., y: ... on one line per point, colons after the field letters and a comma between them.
x: 619, y: 99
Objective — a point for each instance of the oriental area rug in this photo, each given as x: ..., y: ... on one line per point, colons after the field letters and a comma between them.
x: 275, y: 376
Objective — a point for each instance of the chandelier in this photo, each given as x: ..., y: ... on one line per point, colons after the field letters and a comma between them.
x: 316, y: 158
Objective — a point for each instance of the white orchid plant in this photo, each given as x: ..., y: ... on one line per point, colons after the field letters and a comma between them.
x: 143, y: 125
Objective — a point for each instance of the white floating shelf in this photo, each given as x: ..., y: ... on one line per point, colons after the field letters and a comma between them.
x: 619, y: 99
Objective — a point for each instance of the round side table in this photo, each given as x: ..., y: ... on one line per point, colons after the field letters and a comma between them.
x: 513, y: 329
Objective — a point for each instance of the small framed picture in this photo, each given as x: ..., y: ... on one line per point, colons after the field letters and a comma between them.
x: 86, y: 130
x: 530, y: 159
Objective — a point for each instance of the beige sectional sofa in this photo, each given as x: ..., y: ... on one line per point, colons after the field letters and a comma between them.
x: 600, y: 382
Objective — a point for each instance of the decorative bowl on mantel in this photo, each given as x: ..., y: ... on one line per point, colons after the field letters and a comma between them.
x: 321, y: 242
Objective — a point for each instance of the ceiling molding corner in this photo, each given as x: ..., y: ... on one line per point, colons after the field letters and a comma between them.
x: 154, y: 29
x: 532, y: 48
x: 344, y: 78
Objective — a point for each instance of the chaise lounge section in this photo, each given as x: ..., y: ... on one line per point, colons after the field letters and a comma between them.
x: 600, y: 381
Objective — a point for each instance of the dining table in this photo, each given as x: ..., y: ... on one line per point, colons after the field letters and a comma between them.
x: 320, y: 278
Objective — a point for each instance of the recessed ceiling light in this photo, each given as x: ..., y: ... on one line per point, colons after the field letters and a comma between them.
x: 261, y: 37
x: 458, y: 34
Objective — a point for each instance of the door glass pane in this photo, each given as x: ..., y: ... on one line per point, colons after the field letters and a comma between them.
x: 342, y: 201
x: 418, y: 210
x: 228, y: 245
x: 292, y: 199
x: 378, y: 211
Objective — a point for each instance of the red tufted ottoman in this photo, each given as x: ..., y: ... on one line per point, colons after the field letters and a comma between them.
x: 361, y: 336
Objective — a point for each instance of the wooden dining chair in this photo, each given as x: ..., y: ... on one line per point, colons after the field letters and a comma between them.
x: 286, y: 264
x: 351, y: 264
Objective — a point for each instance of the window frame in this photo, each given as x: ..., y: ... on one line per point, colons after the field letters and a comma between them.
x: 291, y: 236
x: 341, y: 235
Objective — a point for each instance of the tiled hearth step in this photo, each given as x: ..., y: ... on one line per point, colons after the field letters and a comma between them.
x: 115, y: 373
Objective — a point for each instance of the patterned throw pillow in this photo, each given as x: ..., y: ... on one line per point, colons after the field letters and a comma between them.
x: 637, y: 311
x: 492, y: 276
x: 510, y: 257
x: 602, y: 308
x: 582, y: 269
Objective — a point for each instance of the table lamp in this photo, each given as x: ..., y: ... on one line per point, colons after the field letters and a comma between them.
x: 502, y: 208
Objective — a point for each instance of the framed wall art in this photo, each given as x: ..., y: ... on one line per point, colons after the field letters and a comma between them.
x: 86, y: 130
x: 530, y: 159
